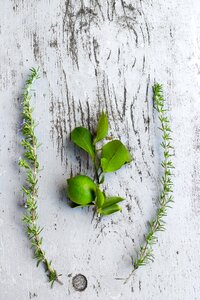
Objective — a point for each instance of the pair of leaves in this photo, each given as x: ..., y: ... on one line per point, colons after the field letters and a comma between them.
x: 114, y: 154
x: 107, y: 205
x: 83, y: 138
x: 83, y: 192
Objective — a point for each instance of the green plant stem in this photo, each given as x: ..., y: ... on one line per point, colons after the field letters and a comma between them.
x: 97, y: 168
x: 98, y: 173
x: 157, y: 223
x: 31, y: 164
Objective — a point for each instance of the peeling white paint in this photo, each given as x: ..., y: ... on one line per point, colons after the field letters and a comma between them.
x: 98, y: 55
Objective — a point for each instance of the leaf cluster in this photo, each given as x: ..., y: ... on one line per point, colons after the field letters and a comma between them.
x: 30, y: 163
x: 84, y: 191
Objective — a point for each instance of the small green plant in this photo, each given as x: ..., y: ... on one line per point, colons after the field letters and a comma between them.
x: 157, y: 224
x: 30, y: 189
x: 81, y: 189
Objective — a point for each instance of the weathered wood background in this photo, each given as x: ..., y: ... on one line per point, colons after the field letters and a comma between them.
x: 94, y: 55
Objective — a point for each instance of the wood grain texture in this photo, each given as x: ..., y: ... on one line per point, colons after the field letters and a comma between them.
x: 98, y: 55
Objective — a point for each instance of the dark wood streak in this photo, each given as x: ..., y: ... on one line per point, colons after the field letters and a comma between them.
x: 97, y: 4
x: 82, y: 114
x: 125, y: 100
x: 143, y: 36
x: 95, y: 49
x: 129, y: 20
x: 58, y: 127
x: 104, y: 92
x: 74, y: 111
x: 148, y: 33
x: 146, y: 23
x: 98, y: 94
x: 111, y: 9
x: 111, y: 106
x: 36, y: 46
x: 51, y: 109
x: 136, y: 132
x: 119, y: 51
x: 69, y: 21
x: 133, y: 65
x: 68, y: 102
x: 143, y: 64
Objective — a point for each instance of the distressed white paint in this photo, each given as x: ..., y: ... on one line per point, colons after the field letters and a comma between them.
x: 103, y: 57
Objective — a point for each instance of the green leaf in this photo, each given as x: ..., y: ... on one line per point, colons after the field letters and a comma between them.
x: 99, y: 198
x: 23, y: 163
x: 114, y: 156
x: 84, y: 139
x: 102, y: 128
x: 111, y: 200
x: 110, y: 210
x: 81, y: 189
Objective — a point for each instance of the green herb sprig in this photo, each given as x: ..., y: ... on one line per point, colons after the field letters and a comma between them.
x: 30, y: 189
x: 84, y: 191
x: 166, y: 199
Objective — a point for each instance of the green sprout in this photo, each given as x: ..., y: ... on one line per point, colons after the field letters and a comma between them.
x: 84, y: 191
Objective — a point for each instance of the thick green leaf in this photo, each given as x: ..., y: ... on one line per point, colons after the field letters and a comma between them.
x: 108, y: 201
x: 81, y: 189
x: 84, y: 139
x: 99, y: 198
x: 114, y: 156
x: 102, y: 128
x: 110, y: 210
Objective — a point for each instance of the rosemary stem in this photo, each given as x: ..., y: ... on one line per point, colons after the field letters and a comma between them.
x: 145, y: 253
x: 96, y: 165
x: 31, y: 164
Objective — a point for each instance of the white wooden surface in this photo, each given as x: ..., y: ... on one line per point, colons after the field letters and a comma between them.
x: 97, y: 55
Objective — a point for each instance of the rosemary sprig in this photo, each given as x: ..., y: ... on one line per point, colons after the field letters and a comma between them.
x: 157, y: 224
x: 30, y: 189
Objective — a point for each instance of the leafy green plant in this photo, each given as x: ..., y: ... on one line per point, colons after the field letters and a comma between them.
x: 81, y: 189
x: 157, y: 224
x: 30, y: 189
